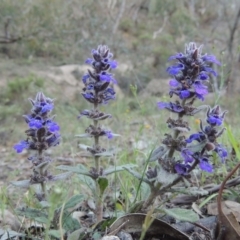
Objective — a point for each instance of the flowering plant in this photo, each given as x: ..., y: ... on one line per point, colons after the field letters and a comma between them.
x: 179, y: 155
x: 43, y: 133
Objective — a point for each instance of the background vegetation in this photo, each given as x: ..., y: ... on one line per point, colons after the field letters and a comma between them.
x: 38, y: 37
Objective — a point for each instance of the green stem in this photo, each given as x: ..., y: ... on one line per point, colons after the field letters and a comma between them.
x: 99, y: 202
x: 43, y: 185
x: 152, y: 196
x: 155, y: 189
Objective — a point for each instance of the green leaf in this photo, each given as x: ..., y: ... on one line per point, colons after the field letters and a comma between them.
x: 197, y: 147
x: 78, y: 234
x: 105, y: 154
x: 69, y: 223
x: 85, y: 135
x: 138, y: 176
x: 118, y: 168
x: 96, y: 236
x: 158, y: 153
x: 103, y: 183
x: 41, y: 219
x: 56, y: 233
x: 182, y: 214
x: 9, y: 234
x: 73, y: 201
x: 105, y: 224
x: 233, y: 141
x: 23, y: 183
x: 35, y: 214
x: 76, y: 169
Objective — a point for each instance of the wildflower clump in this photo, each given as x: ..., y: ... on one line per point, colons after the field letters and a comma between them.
x: 190, y: 74
x: 42, y: 134
x: 179, y: 155
x: 98, y: 90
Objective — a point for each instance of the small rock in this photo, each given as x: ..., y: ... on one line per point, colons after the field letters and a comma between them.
x: 110, y: 238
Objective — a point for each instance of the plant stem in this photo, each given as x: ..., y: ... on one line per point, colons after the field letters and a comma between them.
x: 152, y: 196
x: 155, y: 189
x: 43, y: 185
x: 99, y: 202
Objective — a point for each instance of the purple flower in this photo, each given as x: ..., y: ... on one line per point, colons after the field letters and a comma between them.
x: 174, y: 83
x: 182, y: 169
x: 84, y: 113
x: 184, y: 94
x: 187, y: 155
x: 112, y: 63
x: 109, y: 94
x: 190, y: 70
x: 209, y: 70
x: 170, y: 106
x: 20, y: 146
x: 200, y: 88
x: 205, y: 165
x: 108, y: 134
x: 210, y: 58
x: 47, y: 107
x: 203, y: 76
x: 52, y: 126
x: 196, y: 136
x: 215, y: 116
x: 214, y: 120
x: 177, y: 56
x: 89, y: 61
x: 105, y: 76
x: 88, y: 96
x: 35, y: 123
x: 175, y: 69
x: 85, y: 78
x: 221, y: 151
x: 54, y: 139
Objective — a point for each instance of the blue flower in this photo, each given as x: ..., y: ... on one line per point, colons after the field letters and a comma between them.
x: 215, y: 116
x: 214, y: 120
x: 47, y: 107
x: 175, y: 69
x: 170, y: 106
x: 177, y: 56
x: 209, y: 70
x: 109, y: 94
x: 85, y: 78
x: 19, y: 147
x: 221, y: 151
x: 184, y: 94
x: 203, y: 76
x: 35, y: 123
x: 54, y: 139
x: 89, y: 61
x: 88, y: 96
x: 182, y: 169
x: 200, y: 88
x: 105, y: 76
x: 108, y: 134
x: 200, y: 136
x: 205, y: 165
x: 210, y: 58
x: 174, y: 83
x: 191, y: 69
x: 187, y: 155
x: 112, y: 63
x: 52, y: 126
